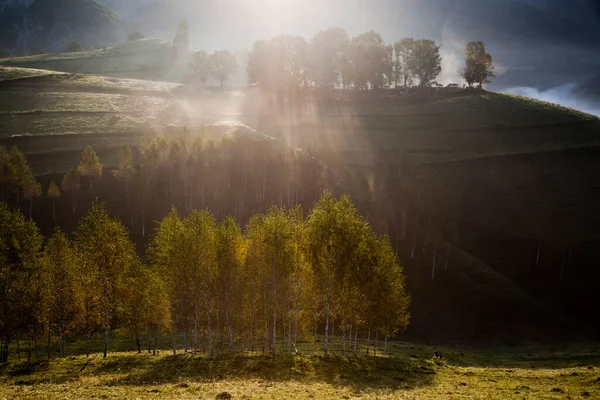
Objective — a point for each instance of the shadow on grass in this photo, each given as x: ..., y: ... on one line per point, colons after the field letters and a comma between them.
x: 362, y: 373
x: 358, y: 373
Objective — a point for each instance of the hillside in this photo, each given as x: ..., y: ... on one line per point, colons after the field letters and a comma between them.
x: 151, y: 59
x: 499, y: 176
x: 48, y: 25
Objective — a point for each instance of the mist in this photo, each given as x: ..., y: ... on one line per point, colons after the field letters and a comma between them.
x: 566, y: 95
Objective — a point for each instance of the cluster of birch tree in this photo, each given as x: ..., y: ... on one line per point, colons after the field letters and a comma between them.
x: 287, y: 276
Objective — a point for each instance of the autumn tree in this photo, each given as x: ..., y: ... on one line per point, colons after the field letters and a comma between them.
x: 144, y: 303
x: 19, y: 175
x: 31, y: 189
x: 106, y: 255
x: 334, y: 233
x: 126, y: 172
x: 20, y: 243
x: 53, y: 194
x: 5, y: 169
x: 61, y: 289
x: 200, y: 249
x: 478, y: 64
x: 89, y: 165
x: 70, y: 185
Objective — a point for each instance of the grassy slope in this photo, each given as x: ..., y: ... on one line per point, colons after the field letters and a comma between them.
x: 141, y: 59
x: 52, y: 116
x: 479, y: 159
x: 510, y: 373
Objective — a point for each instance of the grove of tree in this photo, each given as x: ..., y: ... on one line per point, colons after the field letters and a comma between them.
x: 288, y: 275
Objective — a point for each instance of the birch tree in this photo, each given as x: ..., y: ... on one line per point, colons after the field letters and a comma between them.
x: 200, y: 247
x: 62, y: 298
x: 20, y: 243
x: 229, y: 255
x: 70, y: 185
x: 106, y: 253
x: 334, y: 232
x: 53, y: 194
x: 89, y: 166
x: 168, y: 256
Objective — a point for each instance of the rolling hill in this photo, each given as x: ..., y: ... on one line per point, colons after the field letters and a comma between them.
x: 152, y: 59
x: 511, y: 182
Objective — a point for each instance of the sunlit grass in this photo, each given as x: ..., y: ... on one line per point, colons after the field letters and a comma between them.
x: 540, y: 372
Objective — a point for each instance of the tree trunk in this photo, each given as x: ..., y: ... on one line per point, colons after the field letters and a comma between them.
x: 185, y: 346
x: 30, y: 206
x: 433, y: 263
x: 49, y: 349
x: 355, y: 341
x: 327, y: 322
x: 333, y: 336
x: 229, y: 329
x: 385, y: 345
x: 155, y: 341
x: 447, y: 256
x: 211, y: 349
x: 106, y: 325
x: 18, y: 349
x: 137, y: 341
x: 5, y: 349
x: 61, y: 342
x: 274, y: 299
x: 88, y: 345
x: 368, y: 339
x: 173, y: 342
x: 376, y: 338
x: 54, y: 211
x: 90, y: 184
x: 413, y: 245
x: 195, y: 327
x: 143, y: 221
x: 426, y: 234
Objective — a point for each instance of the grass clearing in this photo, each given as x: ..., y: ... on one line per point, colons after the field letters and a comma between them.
x: 540, y: 372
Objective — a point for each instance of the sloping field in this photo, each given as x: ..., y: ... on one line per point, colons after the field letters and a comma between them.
x: 143, y: 59
x: 503, y: 175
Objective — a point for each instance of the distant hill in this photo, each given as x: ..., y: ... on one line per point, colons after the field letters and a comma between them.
x: 152, y: 59
x: 48, y: 25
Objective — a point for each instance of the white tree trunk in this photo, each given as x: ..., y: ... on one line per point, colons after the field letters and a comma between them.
x: 327, y: 323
